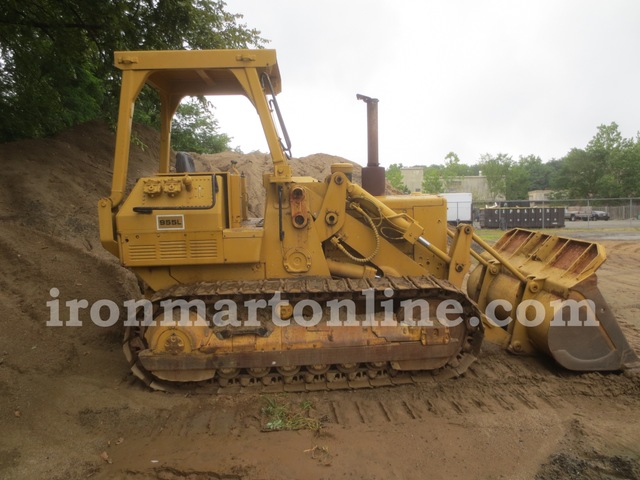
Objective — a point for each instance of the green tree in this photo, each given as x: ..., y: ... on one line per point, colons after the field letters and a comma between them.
x: 607, y: 139
x: 631, y: 184
x: 394, y: 176
x: 579, y: 174
x: 554, y: 168
x: 517, y: 182
x: 496, y: 169
x: 56, y: 55
x: 538, y: 173
x: 432, y: 180
x: 455, y: 168
x: 609, y: 166
x: 195, y: 130
x: 619, y: 176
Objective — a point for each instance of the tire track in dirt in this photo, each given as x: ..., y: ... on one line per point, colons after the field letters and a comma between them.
x: 497, y: 384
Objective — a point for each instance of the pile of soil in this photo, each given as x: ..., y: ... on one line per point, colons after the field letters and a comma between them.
x: 254, y: 165
x: 70, y: 409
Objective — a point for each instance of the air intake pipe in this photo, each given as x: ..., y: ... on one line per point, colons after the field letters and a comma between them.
x: 373, y: 180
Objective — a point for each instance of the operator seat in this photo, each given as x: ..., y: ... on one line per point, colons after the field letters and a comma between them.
x: 184, y: 163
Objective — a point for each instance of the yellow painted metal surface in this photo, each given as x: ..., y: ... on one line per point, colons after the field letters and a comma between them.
x: 196, y: 224
x: 188, y: 228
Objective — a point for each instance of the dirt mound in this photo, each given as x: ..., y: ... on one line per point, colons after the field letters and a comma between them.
x: 254, y: 165
x: 49, y: 189
x: 53, y: 185
x: 49, y: 192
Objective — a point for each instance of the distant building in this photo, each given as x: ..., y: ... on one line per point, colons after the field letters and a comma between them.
x: 540, y: 195
x: 412, y: 178
x: 476, y: 185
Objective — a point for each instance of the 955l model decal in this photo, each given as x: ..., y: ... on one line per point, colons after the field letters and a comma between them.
x: 170, y: 222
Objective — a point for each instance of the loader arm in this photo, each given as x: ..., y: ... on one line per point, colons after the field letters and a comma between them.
x: 355, y: 221
x: 541, y: 288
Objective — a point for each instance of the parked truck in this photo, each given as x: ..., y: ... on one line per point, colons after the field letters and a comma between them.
x: 458, y: 207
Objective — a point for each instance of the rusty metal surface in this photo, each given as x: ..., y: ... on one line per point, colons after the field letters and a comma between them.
x: 601, y: 347
x: 310, y: 356
x: 348, y: 366
x: 404, y: 287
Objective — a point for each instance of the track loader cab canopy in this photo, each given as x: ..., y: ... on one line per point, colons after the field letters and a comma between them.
x: 176, y: 74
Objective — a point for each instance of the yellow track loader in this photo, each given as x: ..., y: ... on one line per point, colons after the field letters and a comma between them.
x: 338, y: 285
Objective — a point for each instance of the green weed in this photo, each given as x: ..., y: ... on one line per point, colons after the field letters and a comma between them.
x: 279, y: 414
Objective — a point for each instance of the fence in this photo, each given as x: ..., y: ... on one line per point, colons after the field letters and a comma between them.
x: 545, y: 213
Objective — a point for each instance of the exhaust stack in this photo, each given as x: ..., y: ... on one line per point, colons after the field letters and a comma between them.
x: 373, y: 179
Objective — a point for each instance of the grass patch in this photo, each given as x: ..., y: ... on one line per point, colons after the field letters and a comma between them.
x: 280, y: 414
x: 489, y: 235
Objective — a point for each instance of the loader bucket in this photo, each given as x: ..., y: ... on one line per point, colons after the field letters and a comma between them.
x: 539, y: 293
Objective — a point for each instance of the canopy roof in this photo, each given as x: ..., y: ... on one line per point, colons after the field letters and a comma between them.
x: 199, y: 72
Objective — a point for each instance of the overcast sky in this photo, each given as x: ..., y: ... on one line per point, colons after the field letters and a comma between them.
x: 472, y: 77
